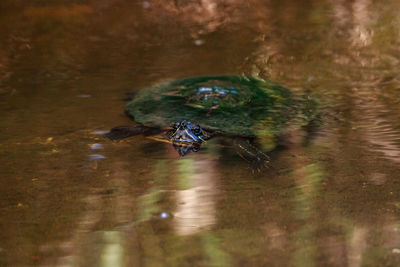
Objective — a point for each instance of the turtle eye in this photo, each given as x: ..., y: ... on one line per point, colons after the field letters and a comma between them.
x: 176, y: 125
x: 182, y: 124
x: 196, y: 129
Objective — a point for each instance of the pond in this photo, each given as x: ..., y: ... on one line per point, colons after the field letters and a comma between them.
x: 69, y: 197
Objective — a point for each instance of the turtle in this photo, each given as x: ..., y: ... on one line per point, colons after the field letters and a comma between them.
x: 190, y: 111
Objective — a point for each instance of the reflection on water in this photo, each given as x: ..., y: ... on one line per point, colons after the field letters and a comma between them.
x: 358, y: 15
x: 357, y: 246
x: 70, y: 198
x: 378, y: 126
x: 196, y: 201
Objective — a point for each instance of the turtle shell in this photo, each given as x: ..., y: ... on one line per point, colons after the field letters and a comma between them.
x: 235, y: 105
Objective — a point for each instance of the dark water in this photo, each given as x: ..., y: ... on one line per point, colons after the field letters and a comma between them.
x: 70, y: 198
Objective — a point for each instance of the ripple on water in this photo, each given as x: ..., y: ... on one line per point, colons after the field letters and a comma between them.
x: 380, y: 128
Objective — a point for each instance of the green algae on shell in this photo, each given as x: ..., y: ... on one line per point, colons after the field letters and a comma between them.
x: 231, y: 104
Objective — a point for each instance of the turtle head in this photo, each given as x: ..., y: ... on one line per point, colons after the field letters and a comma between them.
x: 187, y: 133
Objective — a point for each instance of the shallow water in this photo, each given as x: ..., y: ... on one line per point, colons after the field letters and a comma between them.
x: 71, y: 198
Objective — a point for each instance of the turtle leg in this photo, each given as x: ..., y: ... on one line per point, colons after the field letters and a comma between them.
x: 255, y: 157
x: 122, y: 132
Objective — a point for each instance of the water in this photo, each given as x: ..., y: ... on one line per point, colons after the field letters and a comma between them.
x: 65, y: 68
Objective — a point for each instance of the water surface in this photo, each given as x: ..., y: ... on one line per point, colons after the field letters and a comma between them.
x: 71, y: 198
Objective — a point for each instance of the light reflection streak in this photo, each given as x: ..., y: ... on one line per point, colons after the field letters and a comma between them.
x: 277, y: 236
x: 196, y: 209
x: 362, y: 34
x: 358, y: 15
x: 205, y: 16
x: 113, y: 252
x: 357, y: 245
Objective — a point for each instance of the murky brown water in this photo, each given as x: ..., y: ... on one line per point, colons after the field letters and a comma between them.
x: 71, y: 198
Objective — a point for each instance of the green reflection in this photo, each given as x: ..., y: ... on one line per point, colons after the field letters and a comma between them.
x: 212, y: 248
x: 308, y: 179
x: 113, y: 249
x: 161, y: 172
x: 2, y: 258
x: 149, y: 203
x: 185, y: 171
x: 306, y: 252
x: 242, y: 242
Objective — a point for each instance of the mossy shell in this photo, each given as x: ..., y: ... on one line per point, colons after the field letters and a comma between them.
x: 235, y: 105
